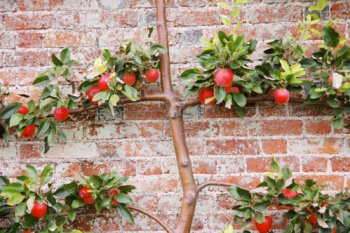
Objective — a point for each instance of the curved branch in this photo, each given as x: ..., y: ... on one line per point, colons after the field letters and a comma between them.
x: 212, y: 182
x: 145, y: 212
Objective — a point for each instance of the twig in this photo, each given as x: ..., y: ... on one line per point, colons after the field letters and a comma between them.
x: 212, y: 182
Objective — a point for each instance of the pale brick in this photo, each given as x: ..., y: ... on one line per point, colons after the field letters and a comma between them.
x: 72, y: 150
x: 8, y: 5
x: 148, y: 148
x: 112, y: 4
x: 7, y: 40
x: 72, y: 5
x: 31, y: 5
x: 113, y: 131
x: 7, y: 151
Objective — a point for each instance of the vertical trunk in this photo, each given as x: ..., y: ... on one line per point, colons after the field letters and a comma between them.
x: 177, y: 129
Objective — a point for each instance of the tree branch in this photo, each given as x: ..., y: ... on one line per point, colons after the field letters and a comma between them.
x: 212, y: 182
x: 145, y: 212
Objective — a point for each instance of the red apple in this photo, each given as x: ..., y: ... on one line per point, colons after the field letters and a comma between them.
x: 152, y: 75
x: 129, y: 79
x: 206, y: 93
x: 282, y: 96
x: 223, y: 77
x: 28, y: 131
x: 23, y: 110
x: 61, y: 114
x: 103, y: 82
x: 289, y: 194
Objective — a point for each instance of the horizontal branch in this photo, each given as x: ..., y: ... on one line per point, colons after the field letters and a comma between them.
x: 163, y: 224
x: 210, y: 183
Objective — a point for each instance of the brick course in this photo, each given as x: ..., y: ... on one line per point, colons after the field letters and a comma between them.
x: 138, y: 142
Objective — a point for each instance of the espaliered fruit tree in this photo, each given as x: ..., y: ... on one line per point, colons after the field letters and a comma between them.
x: 227, y: 78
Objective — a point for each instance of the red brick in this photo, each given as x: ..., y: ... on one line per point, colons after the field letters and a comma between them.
x: 204, y: 166
x: 152, y: 129
x: 192, y: 3
x: 195, y: 147
x: 30, y: 151
x: 27, y: 58
x: 263, y: 164
x: 119, y: 18
x: 106, y: 223
x: 277, y: 14
x: 267, y: 109
x: 211, y: 112
x: 125, y: 167
x: 69, y: 39
x: 234, y: 128
x: 194, y: 17
x: 308, y: 110
x: 316, y: 145
x: 318, y: 126
x: 340, y: 10
x: 30, y: 40
x: 31, y: 5
x: 34, y: 94
x: 110, y: 149
x: 149, y: 202
x: 149, y: 167
x: 232, y: 147
x: 336, y: 182
x: 28, y: 21
x: 274, y: 146
x: 340, y: 164
x: 314, y: 164
x: 7, y: 77
x: 68, y: 170
x: 143, y: 111
x: 200, y: 129
x: 69, y: 20
x: 276, y: 127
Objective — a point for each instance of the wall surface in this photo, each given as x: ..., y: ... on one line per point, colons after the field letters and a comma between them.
x: 138, y: 142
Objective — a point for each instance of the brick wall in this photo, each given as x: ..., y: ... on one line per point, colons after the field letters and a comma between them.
x: 137, y: 142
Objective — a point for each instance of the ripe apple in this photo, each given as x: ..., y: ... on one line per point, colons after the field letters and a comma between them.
x: 103, y: 82
x: 129, y: 79
x: 92, y: 92
x: 152, y: 75
x: 39, y: 210
x: 234, y: 90
x: 23, y: 110
x: 204, y: 94
x: 227, y: 88
x: 84, y: 193
x: 282, y: 96
x: 223, y: 77
x: 27, y: 231
x: 289, y: 194
x: 114, y: 192
x: 61, y: 114
x: 312, y: 219
x: 89, y: 200
x: 28, y: 131
x: 265, y: 226
x: 330, y: 79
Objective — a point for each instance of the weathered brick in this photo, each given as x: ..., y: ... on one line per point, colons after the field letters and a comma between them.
x: 272, y: 31
x: 276, y: 127
x: 72, y: 5
x: 111, y: 149
x: 149, y: 167
x: 69, y: 20
x: 154, y: 148
x: 7, y: 40
x: 31, y: 5
x: 314, y: 164
x: 7, y: 151
x: 274, y: 146
x: 170, y: 202
x: 277, y: 14
x: 29, y: 40
x: 143, y: 111
x: 147, y: 18
x: 26, y: 77
x: 340, y: 10
x: 112, y: 4
x: 204, y: 165
x: 316, y: 145
x: 68, y: 170
x: 189, y: 37
x: 183, y: 54
x: 210, y: 112
x: 8, y: 5
x: 113, y: 131
x: 28, y: 21
x: 27, y: 58
x: 230, y: 165
x: 196, y: 129
x: 267, y: 109
x: 234, y: 128
x: 7, y: 77
x: 72, y: 150
x: 107, y: 223
x: 194, y: 17
x: 147, y: 3
x: 124, y: 167
x: 263, y: 164
x: 232, y: 147
x: 69, y: 39
x: 192, y: 3
x: 152, y: 129
x: 30, y: 151
x: 318, y: 126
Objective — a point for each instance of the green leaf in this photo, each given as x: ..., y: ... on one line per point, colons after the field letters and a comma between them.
x: 61, y: 221
x: 71, y: 215
x: 157, y: 48
x: 331, y: 37
x: 274, y: 165
x: 15, y: 199
x: 236, y: 12
x: 150, y: 31
x: 51, y: 198
x: 21, y: 209
x: 113, y: 102
x: 30, y: 222
x: 65, y: 56
x: 260, y: 218
x: 239, y: 2
x: 338, y: 123
x: 87, y: 84
x: 239, y: 192
x: 97, y: 182
x: 43, y: 126
x: 15, y: 119
x: 240, y: 99
x: 41, y: 81
x: 125, y: 213
x: 62, y: 135
x: 240, y: 111
x: 56, y: 61
x: 285, y: 65
x: 61, y: 192
x: 68, y: 72
x: 123, y: 198
x: 106, y: 54
x: 9, y: 110
x: 46, y: 174
x: 224, y: 5
x: 307, y: 63
x: 32, y: 172
x: 226, y: 20
x: 131, y: 93
x: 321, y: 4
x: 262, y: 206
x: 126, y: 188
x: 332, y: 102
x: 219, y: 94
x: 77, y: 203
